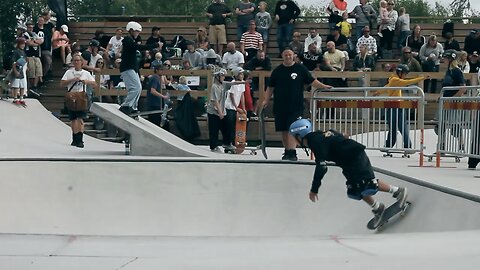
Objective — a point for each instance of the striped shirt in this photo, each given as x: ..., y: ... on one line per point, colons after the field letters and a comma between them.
x: 252, y: 40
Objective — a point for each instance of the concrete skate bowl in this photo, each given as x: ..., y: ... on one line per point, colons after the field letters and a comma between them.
x: 204, y: 199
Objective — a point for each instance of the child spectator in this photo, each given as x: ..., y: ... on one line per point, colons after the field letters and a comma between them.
x: 382, y: 15
x: 155, y: 96
x: 235, y: 99
x: 19, y: 60
x: 181, y: 86
x: 345, y: 27
x: 216, y: 111
x: 404, y: 25
x: 463, y: 64
x: 296, y: 45
x: 264, y: 22
x: 158, y: 61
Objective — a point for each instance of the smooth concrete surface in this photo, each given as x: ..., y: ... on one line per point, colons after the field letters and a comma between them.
x: 147, y: 139
x: 95, y: 208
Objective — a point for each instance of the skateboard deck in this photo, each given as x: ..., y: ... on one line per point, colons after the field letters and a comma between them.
x: 390, y: 212
x: 405, y: 153
x: 433, y: 156
x: 263, y: 145
x: 240, y: 133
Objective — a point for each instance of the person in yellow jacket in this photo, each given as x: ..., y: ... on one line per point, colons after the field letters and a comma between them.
x: 396, y: 117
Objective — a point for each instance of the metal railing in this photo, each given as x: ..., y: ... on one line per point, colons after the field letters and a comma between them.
x: 459, y: 124
x: 373, y: 121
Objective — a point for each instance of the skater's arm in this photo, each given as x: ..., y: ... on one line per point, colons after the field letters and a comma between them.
x: 320, y: 171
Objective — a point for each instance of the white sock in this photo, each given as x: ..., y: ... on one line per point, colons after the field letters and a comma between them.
x: 375, y: 205
x: 393, y: 189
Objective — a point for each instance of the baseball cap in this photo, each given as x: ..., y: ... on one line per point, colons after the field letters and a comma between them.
x: 475, y: 53
x: 201, y: 28
x: 64, y: 28
x: 155, y: 28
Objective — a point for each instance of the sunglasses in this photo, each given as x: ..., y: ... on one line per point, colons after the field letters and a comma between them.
x: 391, y: 4
x: 407, y: 52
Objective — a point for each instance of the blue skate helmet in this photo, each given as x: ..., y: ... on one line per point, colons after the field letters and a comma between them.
x: 300, y: 128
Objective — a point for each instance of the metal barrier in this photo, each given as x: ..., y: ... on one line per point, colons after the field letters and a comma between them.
x: 373, y: 120
x: 458, y: 126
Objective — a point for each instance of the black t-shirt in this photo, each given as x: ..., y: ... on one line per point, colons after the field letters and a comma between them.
x: 311, y: 61
x: 340, y: 41
x: 46, y: 32
x: 453, y: 77
x: 217, y: 9
x: 474, y: 67
x: 288, y: 85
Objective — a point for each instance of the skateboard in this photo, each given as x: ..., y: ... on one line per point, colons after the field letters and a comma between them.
x: 434, y: 155
x: 405, y: 153
x: 390, y: 212
x: 240, y: 134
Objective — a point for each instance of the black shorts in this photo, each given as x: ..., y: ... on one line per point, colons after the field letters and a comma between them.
x: 360, y: 177
x: 76, y: 115
x: 283, y: 121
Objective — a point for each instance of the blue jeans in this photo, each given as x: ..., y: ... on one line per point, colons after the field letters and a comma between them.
x: 240, y: 30
x: 359, y: 31
x: 284, y: 35
x: 402, y: 38
x: 396, y: 120
x: 134, y: 88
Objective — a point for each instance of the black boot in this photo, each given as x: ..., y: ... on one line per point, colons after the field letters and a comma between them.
x: 74, y: 139
x: 80, y: 140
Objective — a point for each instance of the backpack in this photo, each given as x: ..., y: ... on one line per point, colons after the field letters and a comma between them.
x: 178, y: 42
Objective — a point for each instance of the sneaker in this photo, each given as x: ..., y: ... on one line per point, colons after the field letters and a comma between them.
x: 126, y: 110
x: 216, y: 150
x: 401, y: 195
x: 80, y: 144
x: 285, y: 155
x: 378, y: 215
x: 22, y: 102
x: 290, y: 155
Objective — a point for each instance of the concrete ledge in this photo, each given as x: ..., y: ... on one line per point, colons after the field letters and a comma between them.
x: 147, y: 139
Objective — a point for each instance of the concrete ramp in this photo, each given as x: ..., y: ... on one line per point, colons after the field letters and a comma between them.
x: 147, y: 139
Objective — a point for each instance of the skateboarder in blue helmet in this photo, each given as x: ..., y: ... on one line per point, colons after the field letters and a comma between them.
x: 349, y: 155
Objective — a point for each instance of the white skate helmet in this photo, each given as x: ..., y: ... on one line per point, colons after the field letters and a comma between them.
x: 237, y: 70
x: 135, y: 26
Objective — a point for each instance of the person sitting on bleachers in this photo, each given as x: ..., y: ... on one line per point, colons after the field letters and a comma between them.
x: 474, y: 62
x: 232, y: 58
x: 61, y: 44
x: 363, y: 61
x: 415, y: 41
x: 408, y: 59
x: 114, y: 46
x: 91, y: 56
x: 311, y: 59
x: 451, y: 43
x: 472, y: 42
x: 296, y: 45
x: 368, y: 41
x: 155, y: 38
x: 192, y: 56
x: 334, y: 61
x: 260, y: 62
x: 313, y: 37
x: 201, y: 38
x: 337, y: 38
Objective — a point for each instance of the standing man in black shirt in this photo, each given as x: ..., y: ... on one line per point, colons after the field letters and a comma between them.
x: 287, y: 83
x: 218, y: 12
x: 286, y: 12
x: 47, y: 29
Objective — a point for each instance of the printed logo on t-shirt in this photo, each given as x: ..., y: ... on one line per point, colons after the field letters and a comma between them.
x: 294, y: 75
x: 283, y: 7
x: 328, y: 134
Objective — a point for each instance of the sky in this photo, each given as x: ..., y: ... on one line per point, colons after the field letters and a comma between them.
x: 352, y: 3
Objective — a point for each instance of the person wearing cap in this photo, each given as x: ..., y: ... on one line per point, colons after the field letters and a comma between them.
x: 201, y: 37
x: 286, y: 12
x: 155, y: 38
x: 218, y: 12
x: 453, y: 78
x: 430, y: 54
x: 235, y: 102
x: 245, y: 13
x: 251, y: 42
x: 472, y: 42
x: 287, y: 84
x: 216, y: 111
x: 397, y: 118
x: 91, y: 56
x: 337, y: 38
x: 474, y: 61
x: 129, y: 66
x: 368, y: 41
x: 61, y: 43
x: 194, y: 57
x: 349, y: 155
x: 19, y: 66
